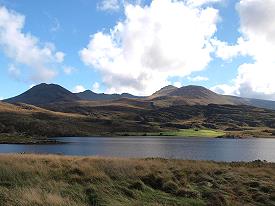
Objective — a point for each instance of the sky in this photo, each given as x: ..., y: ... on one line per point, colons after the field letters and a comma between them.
x: 138, y: 46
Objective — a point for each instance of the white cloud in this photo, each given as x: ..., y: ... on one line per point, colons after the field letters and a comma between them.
x: 165, y: 39
x: 79, y: 88
x: 26, y: 49
x: 201, y: 2
x: 14, y: 72
x: 31, y: 86
x: 257, y: 40
x: 59, y: 57
x: 109, y: 5
x: 96, y: 87
x: 224, y: 89
x: 177, y: 84
x: 68, y: 70
x: 197, y: 78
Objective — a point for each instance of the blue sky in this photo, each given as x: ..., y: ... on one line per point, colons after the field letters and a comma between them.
x: 80, y: 31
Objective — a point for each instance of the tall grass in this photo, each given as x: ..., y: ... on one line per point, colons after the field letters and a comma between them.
x: 58, y: 180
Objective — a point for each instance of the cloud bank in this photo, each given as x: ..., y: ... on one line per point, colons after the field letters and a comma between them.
x: 153, y: 43
x: 254, y: 79
x: 25, y: 49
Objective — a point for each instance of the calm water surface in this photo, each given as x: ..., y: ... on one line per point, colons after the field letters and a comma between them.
x: 167, y: 147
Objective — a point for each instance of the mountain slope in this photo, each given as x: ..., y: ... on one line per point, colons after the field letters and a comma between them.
x: 90, y: 95
x: 198, y: 95
x: 189, y: 95
x: 44, y: 94
x: 164, y: 91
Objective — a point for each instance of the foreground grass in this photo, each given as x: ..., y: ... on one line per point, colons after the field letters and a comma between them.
x: 180, y: 133
x: 57, y: 180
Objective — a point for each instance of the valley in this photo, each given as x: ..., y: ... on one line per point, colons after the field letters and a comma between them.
x: 50, y: 111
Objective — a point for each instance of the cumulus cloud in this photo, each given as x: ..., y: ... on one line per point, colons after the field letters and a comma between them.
x: 109, y: 5
x: 25, y: 49
x: 197, y: 79
x: 257, y: 41
x: 79, y: 88
x: 201, y: 2
x: 161, y: 40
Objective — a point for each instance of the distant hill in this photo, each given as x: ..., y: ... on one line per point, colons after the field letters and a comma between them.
x: 189, y: 95
x: 90, y: 95
x: 44, y: 94
x: 164, y: 91
x: 198, y: 95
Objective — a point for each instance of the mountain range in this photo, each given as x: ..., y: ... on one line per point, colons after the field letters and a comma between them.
x: 51, y: 110
x: 46, y: 94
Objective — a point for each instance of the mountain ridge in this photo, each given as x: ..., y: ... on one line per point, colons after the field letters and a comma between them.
x: 90, y: 95
x: 44, y: 94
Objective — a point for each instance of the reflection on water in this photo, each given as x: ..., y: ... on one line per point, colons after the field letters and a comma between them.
x: 167, y: 147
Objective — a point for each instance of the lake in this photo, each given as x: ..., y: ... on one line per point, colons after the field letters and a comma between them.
x: 166, y: 147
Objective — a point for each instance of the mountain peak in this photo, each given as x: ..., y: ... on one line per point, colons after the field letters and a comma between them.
x: 164, y: 91
x: 44, y: 94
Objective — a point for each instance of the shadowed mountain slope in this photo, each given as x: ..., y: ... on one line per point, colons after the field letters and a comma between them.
x: 44, y: 94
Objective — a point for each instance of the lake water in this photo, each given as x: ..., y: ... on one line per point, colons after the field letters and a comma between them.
x: 166, y: 147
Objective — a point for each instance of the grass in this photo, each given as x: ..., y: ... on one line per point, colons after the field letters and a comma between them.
x: 195, y: 133
x: 179, y: 133
x: 79, y: 119
x: 24, y: 139
x: 58, y: 180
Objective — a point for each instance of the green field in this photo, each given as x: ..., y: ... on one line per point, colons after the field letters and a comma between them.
x: 179, y: 133
x: 195, y: 133
x: 50, y: 180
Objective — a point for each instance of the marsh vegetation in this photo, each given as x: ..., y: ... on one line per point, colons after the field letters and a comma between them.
x: 58, y: 180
